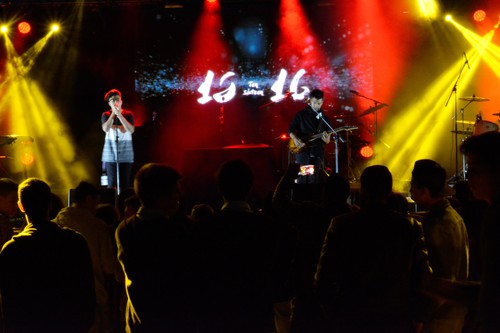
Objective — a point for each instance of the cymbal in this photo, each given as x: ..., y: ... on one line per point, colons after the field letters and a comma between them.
x: 462, y: 132
x: 467, y: 122
x: 373, y: 109
x: 474, y: 99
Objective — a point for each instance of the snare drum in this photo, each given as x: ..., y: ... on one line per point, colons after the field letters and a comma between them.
x: 483, y: 126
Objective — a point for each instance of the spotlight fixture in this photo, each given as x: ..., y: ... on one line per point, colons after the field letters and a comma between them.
x: 479, y: 15
x: 366, y: 151
x: 429, y: 8
x: 4, y: 29
x: 55, y: 27
x: 24, y: 27
x: 27, y: 159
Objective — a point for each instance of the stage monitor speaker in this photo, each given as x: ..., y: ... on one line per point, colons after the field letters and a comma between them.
x: 200, y: 166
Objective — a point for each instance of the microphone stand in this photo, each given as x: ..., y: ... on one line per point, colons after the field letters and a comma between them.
x: 336, y: 137
x: 117, y: 155
x: 117, y: 164
x: 374, y: 109
x: 455, y: 117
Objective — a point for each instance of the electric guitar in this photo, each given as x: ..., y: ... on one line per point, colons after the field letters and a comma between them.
x: 308, y: 139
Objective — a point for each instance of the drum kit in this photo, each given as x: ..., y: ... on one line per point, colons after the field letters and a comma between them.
x: 479, y: 126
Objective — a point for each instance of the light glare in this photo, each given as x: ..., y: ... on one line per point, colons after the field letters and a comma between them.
x: 479, y: 15
x: 24, y: 27
x: 428, y: 8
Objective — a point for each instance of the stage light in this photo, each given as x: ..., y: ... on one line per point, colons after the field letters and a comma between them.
x: 24, y: 27
x: 366, y: 151
x: 211, y: 1
x: 448, y: 18
x: 27, y: 159
x: 479, y: 15
x: 428, y: 8
x: 4, y: 29
x: 55, y: 27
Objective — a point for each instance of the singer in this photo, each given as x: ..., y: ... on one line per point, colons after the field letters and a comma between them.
x: 118, y: 151
x: 308, y: 136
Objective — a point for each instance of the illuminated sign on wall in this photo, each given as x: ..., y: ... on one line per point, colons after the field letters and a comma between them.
x: 252, y: 88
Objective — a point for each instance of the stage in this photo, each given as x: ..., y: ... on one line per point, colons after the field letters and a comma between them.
x: 201, y: 76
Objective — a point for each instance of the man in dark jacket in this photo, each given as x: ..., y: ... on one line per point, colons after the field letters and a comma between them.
x: 483, y: 172
x: 46, y: 278
x: 153, y: 249
x: 373, y: 264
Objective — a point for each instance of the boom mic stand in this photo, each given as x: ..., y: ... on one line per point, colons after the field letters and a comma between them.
x: 336, y: 137
x: 374, y: 109
x: 455, y: 117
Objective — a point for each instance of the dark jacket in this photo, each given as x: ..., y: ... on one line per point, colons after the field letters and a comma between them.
x: 372, y: 265
x: 46, y: 281
x: 154, y: 253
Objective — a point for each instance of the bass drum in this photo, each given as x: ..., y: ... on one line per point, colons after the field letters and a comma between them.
x: 483, y: 126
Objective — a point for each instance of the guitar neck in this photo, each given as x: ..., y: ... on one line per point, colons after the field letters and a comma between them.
x: 339, y: 129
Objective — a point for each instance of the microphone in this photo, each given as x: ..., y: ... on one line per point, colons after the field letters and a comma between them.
x: 466, y: 60
x: 354, y: 92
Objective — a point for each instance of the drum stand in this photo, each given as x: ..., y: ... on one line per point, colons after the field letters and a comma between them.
x: 464, y: 172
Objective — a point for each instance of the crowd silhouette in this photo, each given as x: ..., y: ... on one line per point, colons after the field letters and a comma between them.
x: 312, y: 258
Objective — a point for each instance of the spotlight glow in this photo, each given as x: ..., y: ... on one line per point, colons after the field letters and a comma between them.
x: 428, y: 8
x: 55, y: 27
x: 479, y: 15
x: 29, y: 113
x: 4, y: 29
x: 24, y: 27
x: 366, y: 151
x: 27, y: 159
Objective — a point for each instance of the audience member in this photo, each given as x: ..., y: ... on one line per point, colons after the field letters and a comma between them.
x: 56, y: 204
x: 310, y: 220
x: 117, y: 296
x: 445, y: 237
x: 120, y: 204
x: 471, y: 210
x: 373, y: 264
x: 399, y: 203
x: 108, y: 214
x: 8, y: 210
x: 153, y: 249
x: 131, y: 206
x: 201, y: 213
x: 46, y: 278
x: 80, y: 217
x: 483, y: 173
x: 236, y: 252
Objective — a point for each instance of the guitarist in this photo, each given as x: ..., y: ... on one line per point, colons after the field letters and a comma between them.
x: 305, y: 124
